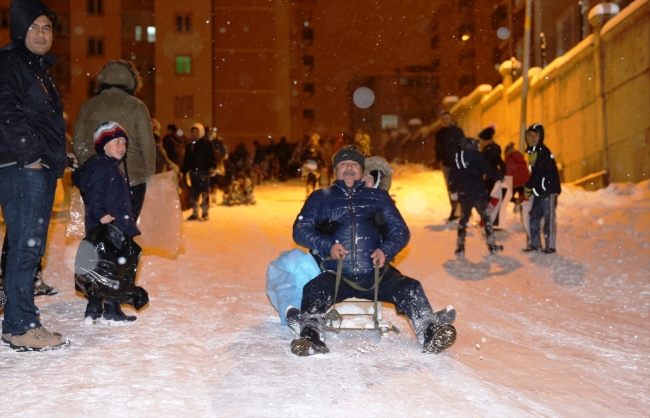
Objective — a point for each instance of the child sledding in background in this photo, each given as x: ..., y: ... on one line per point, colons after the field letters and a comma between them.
x: 240, y: 191
x: 467, y: 184
x: 107, y: 198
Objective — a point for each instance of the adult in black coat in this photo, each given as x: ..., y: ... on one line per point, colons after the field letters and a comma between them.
x: 466, y: 182
x: 199, y: 161
x: 359, y: 244
x: 32, y: 157
x: 174, y: 145
x: 492, y: 153
x: 447, y: 144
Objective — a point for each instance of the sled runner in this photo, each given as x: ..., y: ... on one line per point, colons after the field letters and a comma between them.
x: 358, y: 314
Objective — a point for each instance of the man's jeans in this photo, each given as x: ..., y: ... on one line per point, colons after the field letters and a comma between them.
x: 543, y: 208
x: 26, y: 198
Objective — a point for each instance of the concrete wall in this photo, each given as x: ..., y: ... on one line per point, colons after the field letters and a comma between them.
x: 568, y: 97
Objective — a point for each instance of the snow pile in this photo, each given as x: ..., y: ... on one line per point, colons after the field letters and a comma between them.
x: 542, y: 335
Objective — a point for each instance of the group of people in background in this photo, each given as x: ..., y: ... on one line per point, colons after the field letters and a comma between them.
x: 472, y: 167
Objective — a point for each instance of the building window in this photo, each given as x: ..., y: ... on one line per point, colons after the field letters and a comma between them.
x: 92, y: 87
x: 95, y: 7
x: 151, y: 34
x: 435, y: 42
x: 308, y: 114
x: 308, y: 35
x: 138, y: 33
x: 308, y: 88
x: 95, y: 46
x: 308, y: 61
x: 183, y: 65
x: 183, y: 107
x: 4, y: 18
x: 183, y: 22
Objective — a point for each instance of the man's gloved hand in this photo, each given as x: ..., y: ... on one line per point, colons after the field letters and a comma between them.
x: 528, y: 192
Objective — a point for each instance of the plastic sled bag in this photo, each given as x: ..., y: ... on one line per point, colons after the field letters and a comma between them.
x: 500, y: 220
x: 76, y: 226
x: 161, y: 219
x: 106, y: 264
x: 285, y: 278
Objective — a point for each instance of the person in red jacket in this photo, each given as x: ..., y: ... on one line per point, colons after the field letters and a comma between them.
x: 517, y: 168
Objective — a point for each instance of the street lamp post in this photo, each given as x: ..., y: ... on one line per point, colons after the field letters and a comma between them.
x: 524, y: 91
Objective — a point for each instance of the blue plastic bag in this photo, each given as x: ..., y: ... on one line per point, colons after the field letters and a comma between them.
x: 285, y: 278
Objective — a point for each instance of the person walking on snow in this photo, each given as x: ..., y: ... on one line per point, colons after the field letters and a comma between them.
x: 492, y: 153
x: 358, y: 245
x: 468, y: 187
x: 199, y: 161
x: 447, y: 144
x: 544, y: 184
x: 32, y: 157
x: 517, y: 168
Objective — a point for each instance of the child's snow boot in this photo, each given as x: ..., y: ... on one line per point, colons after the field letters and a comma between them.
x: 437, y: 338
x: 94, y: 311
x: 309, y: 343
x: 114, y: 316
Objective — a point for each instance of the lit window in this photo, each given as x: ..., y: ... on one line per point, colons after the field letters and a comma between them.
x: 183, y: 65
x: 138, y: 33
x: 151, y: 34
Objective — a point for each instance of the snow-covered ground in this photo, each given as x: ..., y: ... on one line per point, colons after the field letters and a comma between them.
x: 538, y: 335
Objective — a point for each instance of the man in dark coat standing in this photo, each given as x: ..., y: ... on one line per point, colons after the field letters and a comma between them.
x: 447, y: 144
x: 356, y: 246
x: 32, y: 157
x: 199, y: 161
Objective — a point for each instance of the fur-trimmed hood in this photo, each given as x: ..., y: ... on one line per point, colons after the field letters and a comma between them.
x: 378, y: 163
x: 121, y: 74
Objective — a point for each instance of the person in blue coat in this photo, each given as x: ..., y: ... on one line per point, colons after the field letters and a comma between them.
x: 467, y: 184
x: 107, y: 198
x: 544, y: 184
x: 360, y: 246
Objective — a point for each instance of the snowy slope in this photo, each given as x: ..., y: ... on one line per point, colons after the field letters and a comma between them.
x: 538, y: 335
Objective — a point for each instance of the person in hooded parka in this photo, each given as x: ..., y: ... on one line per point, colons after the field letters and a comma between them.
x: 119, y: 81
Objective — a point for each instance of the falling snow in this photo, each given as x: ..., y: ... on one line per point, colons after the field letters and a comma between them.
x: 538, y: 335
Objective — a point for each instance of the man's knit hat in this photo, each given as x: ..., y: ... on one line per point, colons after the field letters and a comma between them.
x: 487, y: 133
x: 105, y: 133
x: 348, y: 153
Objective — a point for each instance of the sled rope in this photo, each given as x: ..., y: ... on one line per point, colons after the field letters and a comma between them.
x: 333, y: 314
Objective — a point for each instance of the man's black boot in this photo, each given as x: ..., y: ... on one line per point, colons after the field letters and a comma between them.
x: 309, y: 343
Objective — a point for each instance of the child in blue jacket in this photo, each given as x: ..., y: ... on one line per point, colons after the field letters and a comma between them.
x: 107, y: 197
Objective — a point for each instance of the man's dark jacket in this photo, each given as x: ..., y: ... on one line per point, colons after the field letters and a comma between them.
x: 448, y: 143
x: 199, y: 156
x: 544, y: 176
x: 32, y: 127
x: 354, y: 209
x: 105, y: 191
x: 466, y: 175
